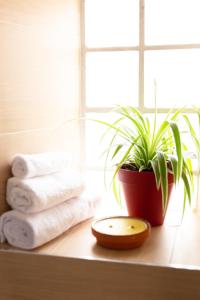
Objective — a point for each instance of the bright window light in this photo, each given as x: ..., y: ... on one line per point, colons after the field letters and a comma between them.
x: 177, y: 74
x: 95, y: 147
x: 172, y: 22
x: 149, y: 40
x: 111, y: 23
x: 111, y: 77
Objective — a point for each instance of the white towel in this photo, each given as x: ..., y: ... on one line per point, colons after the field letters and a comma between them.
x: 35, y: 194
x: 32, y: 165
x: 28, y: 231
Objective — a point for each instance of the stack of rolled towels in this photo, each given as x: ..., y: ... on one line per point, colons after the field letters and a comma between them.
x: 46, y: 197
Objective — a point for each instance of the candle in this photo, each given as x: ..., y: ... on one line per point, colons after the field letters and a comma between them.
x: 120, y: 232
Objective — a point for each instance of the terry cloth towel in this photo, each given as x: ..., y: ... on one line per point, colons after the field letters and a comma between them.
x: 35, y: 194
x: 28, y: 231
x: 32, y: 165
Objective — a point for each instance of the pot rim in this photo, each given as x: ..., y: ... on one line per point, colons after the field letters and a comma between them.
x: 141, y: 172
x: 126, y: 173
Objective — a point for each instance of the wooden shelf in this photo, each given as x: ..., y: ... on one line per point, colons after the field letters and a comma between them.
x: 167, y: 245
x: 73, y: 266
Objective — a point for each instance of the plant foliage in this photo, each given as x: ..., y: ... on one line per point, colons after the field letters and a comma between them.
x: 141, y: 145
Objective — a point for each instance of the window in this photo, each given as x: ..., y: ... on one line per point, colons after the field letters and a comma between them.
x: 127, y: 45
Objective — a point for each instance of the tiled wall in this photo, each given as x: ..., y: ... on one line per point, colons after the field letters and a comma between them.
x: 39, y: 79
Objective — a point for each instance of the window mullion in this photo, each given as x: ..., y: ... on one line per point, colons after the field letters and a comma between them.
x: 141, y: 56
x: 115, y: 48
x: 171, y: 47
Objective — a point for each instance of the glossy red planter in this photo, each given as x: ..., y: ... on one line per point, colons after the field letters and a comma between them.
x: 143, y: 200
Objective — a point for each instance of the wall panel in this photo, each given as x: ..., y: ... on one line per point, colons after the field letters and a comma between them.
x: 39, y: 79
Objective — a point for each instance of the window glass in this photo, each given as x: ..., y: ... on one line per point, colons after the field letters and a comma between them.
x: 172, y: 21
x: 111, y: 78
x: 111, y: 23
x: 176, y: 73
x: 95, y: 145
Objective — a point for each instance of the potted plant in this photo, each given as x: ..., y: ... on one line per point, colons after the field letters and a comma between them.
x: 149, y: 158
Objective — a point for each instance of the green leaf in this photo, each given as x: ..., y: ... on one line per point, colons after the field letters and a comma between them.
x: 177, y: 140
x: 174, y: 164
x: 135, y: 122
x: 184, y: 202
x: 187, y: 169
x: 163, y: 179
x: 109, y: 128
x: 155, y: 167
x: 141, y: 152
x: 119, y: 131
x: 116, y: 191
x: 160, y: 133
x: 198, y: 114
x: 123, y: 159
x: 148, y: 126
x: 177, y: 113
x: 142, y: 168
x: 187, y: 187
x: 155, y: 150
x: 140, y: 117
x: 117, y: 150
x: 192, y: 133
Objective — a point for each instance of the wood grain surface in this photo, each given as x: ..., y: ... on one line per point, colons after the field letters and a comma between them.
x: 29, y: 277
x: 39, y: 79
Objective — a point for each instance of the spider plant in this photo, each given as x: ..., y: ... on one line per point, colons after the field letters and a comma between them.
x: 140, y: 145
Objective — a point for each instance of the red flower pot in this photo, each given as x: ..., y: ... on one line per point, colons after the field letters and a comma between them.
x: 142, y: 198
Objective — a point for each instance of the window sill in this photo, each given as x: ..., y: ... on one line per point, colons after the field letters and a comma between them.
x: 168, y: 245
x: 73, y: 266
x: 176, y: 243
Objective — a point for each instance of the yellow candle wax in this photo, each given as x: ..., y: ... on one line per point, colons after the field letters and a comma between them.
x: 121, y: 226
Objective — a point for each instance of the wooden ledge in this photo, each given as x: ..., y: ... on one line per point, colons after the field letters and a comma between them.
x: 168, y: 245
x: 74, y: 267
x: 29, y: 276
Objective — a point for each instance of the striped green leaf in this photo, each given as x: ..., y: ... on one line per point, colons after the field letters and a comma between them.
x: 116, y: 191
x: 178, y: 145
x: 187, y: 187
x: 155, y: 167
x: 174, y: 164
x: 163, y: 179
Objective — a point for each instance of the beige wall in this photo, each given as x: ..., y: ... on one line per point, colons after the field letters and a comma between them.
x: 39, y: 79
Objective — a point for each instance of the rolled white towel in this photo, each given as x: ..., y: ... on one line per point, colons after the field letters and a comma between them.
x: 32, y: 165
x: 39, y: 193
x: 28, y: 231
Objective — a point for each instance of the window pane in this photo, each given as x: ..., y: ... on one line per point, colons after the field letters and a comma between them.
x: 95, y: 146
x: 111, y: 78
x: 177, y: 74
x: 172, y: 21
x: 98, y: 139
x: 111, y: 22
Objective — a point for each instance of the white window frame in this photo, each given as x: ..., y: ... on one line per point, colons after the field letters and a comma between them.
x: 141, y: 49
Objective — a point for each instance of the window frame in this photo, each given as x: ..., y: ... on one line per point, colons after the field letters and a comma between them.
x: 141, y: 49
